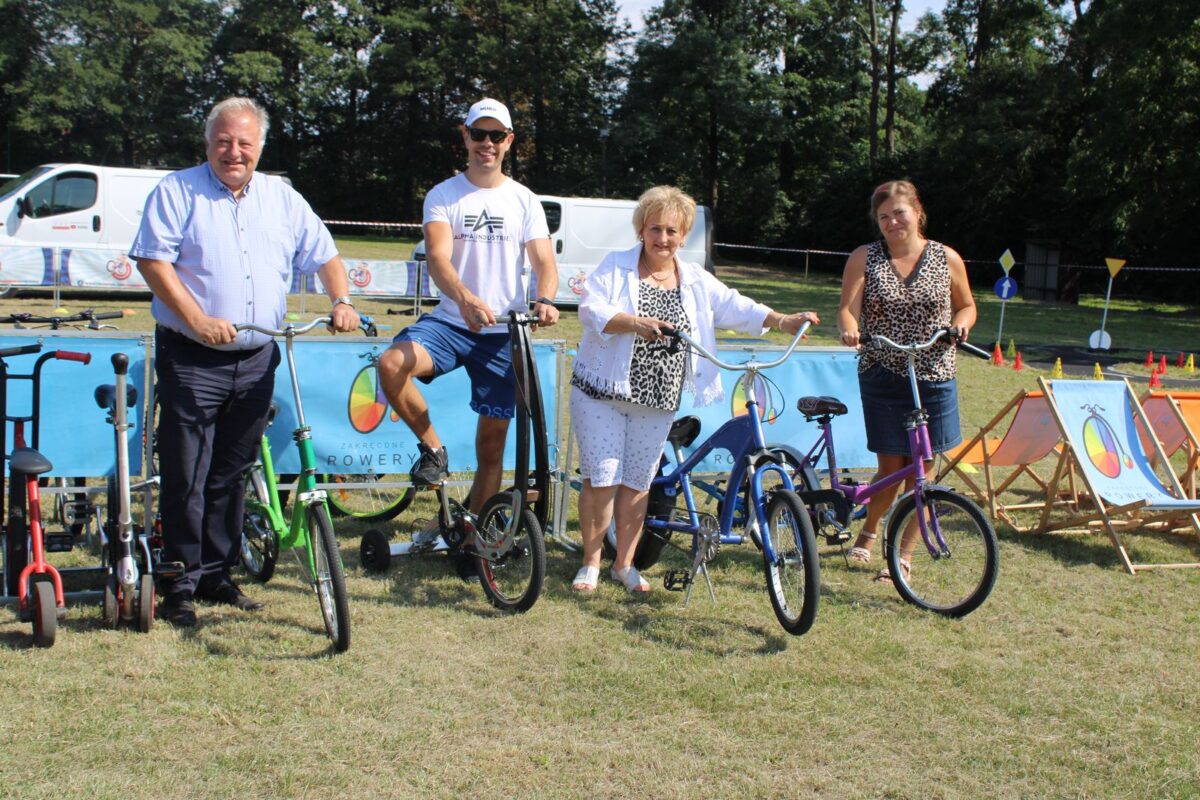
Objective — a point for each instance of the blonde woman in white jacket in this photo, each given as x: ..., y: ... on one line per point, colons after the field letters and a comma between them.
x: 626, y: 385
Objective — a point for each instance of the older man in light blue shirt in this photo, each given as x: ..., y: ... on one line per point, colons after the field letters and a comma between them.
x: 218, y: 246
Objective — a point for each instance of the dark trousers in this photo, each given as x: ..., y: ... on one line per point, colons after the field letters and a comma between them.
x: 213, y: 413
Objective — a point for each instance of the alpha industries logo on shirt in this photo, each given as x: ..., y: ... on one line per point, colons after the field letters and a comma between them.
x: 484, y: 222
x: 483, y: 227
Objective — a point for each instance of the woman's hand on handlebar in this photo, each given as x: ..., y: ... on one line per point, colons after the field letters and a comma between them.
x: 790, y: 323
x: 651, y: 328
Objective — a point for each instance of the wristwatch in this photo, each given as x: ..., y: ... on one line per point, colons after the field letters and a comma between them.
x: 544, y: 301
x: 342, y: 301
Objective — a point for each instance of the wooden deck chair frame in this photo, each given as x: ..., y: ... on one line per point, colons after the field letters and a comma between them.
x: 1188, y: 425
x: 1138, y: 514
x: 980, y: 451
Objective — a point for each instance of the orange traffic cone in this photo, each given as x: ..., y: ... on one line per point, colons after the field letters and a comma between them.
x: 1017, y: 365
x: 997, y: 356
x: 1149, y: 360
x: 1162, y: 365
x: 1155, y: 383
x: 1180, y: 360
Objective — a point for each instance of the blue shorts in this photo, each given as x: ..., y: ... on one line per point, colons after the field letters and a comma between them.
x: 887, y: 400
x: 487, y: 357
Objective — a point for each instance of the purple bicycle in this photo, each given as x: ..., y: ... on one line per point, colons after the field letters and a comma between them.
x: 940, y: 547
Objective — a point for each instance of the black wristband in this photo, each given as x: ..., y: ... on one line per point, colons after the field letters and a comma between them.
x: 544, y: 301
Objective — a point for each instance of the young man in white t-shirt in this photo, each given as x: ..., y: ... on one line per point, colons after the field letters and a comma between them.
x: 481, y: 227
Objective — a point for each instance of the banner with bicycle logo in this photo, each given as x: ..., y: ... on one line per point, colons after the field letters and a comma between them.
x: 816, y: 371
x: 354, y: 429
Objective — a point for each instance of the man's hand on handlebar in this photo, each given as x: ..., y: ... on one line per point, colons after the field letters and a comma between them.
x: 214, y: 330
x: 546, y: 313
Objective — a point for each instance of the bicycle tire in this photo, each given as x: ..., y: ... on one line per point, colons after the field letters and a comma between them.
x: 260, y: 542
x: 794, y: 575
x: 330, y: 579
x: 145, y: 603
x: 110, y: 610
x: 953, y: 586
x: 368, y: 505
x: 513, y: 580
x: 45, y: 614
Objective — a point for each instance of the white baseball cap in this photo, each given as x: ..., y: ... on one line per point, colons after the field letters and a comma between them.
x: 487, y: 107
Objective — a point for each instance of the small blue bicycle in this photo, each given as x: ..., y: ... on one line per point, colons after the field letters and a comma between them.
x: 777, y: 516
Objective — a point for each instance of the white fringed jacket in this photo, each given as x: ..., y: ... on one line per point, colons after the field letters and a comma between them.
x: 604, y: 359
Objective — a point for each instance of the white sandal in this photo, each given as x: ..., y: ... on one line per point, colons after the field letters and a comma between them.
x: 630, y: 578
x: 885, y: 574
x: 586, y: 579
x: 862, y: 555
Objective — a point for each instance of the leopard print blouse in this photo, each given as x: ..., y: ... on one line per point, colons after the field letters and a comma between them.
x: 655, y: 374
x: 907, y: 311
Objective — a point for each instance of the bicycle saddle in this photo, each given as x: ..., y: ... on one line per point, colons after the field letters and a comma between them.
x: 819, y: 406
x: 684, y: 431
x: 106, y: 395
x: 29, y: 461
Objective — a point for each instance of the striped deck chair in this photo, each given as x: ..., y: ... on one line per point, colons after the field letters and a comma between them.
x: 1031, y: 436
x: 1175, y: 419
x: 1123, y: 492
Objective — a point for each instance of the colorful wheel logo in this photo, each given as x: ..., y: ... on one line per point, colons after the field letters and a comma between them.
x: 360, y: 276
x: 737, y: 404
x: 119, y: 268
x: 366, y: 405
x: 1101, y: 445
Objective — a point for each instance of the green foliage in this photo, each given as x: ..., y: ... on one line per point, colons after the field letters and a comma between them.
x: 1070, y: 123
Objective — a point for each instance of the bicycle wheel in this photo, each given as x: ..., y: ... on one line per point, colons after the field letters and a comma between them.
x: 330, y: 581
x: 260, y: 543
x: 511, y: 564
x: 370, y: 504
x: 954, y: 584
x: 794, y: 575
x: 45, y: 614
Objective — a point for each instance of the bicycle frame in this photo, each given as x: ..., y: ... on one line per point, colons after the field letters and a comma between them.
x: 920, y: 449
x: 743, y: 438
x: 292, y: 533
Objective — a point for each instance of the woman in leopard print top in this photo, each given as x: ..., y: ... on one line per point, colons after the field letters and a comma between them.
x: 625, y: 384
x: 903, y: 287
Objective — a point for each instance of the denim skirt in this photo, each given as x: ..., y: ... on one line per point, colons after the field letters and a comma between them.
x: 887, y: 400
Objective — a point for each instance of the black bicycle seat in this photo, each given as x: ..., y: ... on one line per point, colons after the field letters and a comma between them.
x: 106, y: 395
x: 29, y: 461
x: 684, y: 431
x: 820, y: 406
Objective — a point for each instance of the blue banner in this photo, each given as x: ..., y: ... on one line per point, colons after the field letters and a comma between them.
x: 354, y: 429
x: 818, y: 371
x: 74, y: 432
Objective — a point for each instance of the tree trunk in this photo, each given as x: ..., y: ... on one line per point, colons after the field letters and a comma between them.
x: 889, y: 122
x: 873, y: 123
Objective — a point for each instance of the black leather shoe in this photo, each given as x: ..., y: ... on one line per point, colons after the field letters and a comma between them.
x: 230, y: 595
x: 178, y: 610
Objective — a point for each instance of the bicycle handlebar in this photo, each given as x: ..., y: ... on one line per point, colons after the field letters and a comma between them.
x: 20, y: 350
x: 290, y: 329
x: 83, y: 316
x: 745, y: 366
x: 880, y: 340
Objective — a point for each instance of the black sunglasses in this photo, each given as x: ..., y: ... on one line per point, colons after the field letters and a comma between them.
x: 479, y: 134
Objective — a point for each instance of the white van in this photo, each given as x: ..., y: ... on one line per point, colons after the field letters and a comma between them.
x: 583, y: 230
x: 75, y: 205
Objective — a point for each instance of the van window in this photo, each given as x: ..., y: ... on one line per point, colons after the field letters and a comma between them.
x: 14, y: 185
x: 62, y: 194
x: 553, y: 215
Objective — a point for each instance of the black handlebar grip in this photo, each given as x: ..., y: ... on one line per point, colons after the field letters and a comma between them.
x: 120, y: 363
x: 978, y: 352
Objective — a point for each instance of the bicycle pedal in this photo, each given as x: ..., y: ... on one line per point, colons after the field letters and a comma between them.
x: 169, y: 569
x: 677, y: 580
x: 58, y: 542
x: 838, y: 537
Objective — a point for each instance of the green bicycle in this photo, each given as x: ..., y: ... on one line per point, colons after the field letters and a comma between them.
x: 309, y: 531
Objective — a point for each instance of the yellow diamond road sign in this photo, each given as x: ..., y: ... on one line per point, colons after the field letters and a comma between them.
x: 1007, y: 261
x: 1114, y: 265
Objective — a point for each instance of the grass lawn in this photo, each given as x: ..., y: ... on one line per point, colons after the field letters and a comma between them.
x: 1073, y: 680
